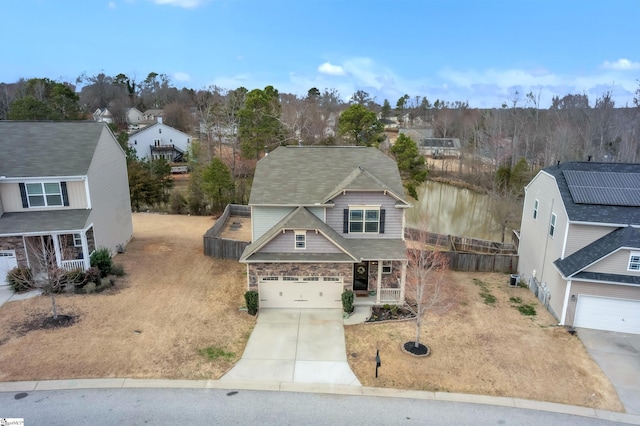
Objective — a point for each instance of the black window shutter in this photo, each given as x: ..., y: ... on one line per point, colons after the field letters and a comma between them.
x: 382, y: 214
x: 345, y: 223
x: 65, y: 195
x: 23, y: 194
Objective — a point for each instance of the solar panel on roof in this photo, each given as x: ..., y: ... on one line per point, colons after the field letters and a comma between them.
x: 604, y: 188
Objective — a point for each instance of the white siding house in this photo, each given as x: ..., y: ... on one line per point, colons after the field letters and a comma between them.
x: 160, y: 141
x: 580, y: 244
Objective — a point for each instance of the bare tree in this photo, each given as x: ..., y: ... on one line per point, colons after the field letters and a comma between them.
x: 426, y: 281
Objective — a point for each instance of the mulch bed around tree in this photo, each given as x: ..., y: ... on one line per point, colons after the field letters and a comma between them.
x: 420, y: 350
x: 45, y: 322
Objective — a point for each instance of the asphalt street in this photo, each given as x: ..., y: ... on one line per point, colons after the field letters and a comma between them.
x: 239, y: 407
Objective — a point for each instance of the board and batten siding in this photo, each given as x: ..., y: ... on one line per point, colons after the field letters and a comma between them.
x: 265, y: 218
x: 109, y: 189
x: 581, y: 236
x: 598, y: 289
x: 12, y: 201
x: 615, y: 263
x: 285, y: 243
x: 393, y: 215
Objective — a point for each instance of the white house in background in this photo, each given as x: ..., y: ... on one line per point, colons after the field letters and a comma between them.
x: 152, y: 116
x: 102, y: 115
x: 134, y: 116
x: 580, y: 244
x: 160, y: 141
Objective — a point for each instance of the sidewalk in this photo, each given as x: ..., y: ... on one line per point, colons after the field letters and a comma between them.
x: 318, y: 388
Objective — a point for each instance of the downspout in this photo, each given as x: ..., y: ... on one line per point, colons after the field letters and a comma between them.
x: 565, y: 304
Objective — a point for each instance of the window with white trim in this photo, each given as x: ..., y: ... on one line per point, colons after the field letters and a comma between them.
x: 634, y: 261
x: 386, y: 266
x: 301, y: 240
x: 535, y: 209
x: 552, y: 225
x: 77, y: 240
x: 364, y: 220
x: 44, y: 194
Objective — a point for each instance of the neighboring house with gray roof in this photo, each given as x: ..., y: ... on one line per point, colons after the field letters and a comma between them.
x: 326, y: 219
x: 159, y: 141
x: 580, y: 243
x: 65, y: 188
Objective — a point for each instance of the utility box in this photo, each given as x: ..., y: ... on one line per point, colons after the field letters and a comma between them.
x: 514, y: 280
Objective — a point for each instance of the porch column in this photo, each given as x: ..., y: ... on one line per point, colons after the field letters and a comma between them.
x: 56, y: 249
x: 403, y: 277
x: 85, y: 250
x: 379, y: 283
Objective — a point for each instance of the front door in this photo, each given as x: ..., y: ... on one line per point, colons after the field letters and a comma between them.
x: 361, y: 276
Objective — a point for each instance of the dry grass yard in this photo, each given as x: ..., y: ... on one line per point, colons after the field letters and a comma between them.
x: 172, y: 303
x: 484, y: 349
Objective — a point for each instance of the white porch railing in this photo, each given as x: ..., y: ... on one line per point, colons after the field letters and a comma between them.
x: 71, y: 265
x: 390, y: 295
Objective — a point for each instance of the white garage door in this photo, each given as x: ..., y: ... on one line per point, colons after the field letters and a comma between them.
x: 8, y: 261
x: 300, y: 292
x: 604, y: 313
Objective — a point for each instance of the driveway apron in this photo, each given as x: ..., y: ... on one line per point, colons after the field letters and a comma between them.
x: 295, y: 346
x: 618, y: 355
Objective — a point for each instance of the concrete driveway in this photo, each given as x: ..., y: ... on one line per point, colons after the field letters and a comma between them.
x: 296, y: 346
x: 618, y: 355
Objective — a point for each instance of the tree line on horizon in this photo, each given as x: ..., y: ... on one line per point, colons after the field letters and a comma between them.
x: 252, y: 122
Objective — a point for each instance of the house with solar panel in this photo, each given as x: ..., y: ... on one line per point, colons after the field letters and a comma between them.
x: 580, y: 244
x: 325, y: 220
x: 64, y: 191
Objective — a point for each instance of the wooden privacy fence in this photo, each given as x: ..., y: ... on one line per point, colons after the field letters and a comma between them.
x: 223, y: 248
x: 469, y: 254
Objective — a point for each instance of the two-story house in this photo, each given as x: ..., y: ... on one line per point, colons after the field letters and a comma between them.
x: 580, y: 243
x: 325, y: 220
x: 63, y: 188
x: 160, y: 141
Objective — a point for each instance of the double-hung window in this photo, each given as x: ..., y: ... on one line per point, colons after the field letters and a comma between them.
x: 301, y: 240
x: 44, y: 194
x: 634, y: 261
x: 535, y: 209
x: 552, y: 225
x: 364, y: 220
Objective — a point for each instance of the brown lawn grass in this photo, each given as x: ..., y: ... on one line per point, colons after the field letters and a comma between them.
x: 482, y: 349
x: 172, y: 302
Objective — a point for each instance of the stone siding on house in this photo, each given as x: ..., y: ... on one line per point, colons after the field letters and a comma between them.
x: 344, y: 270
x: 15, y: 243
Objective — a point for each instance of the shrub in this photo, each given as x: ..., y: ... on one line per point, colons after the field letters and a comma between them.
x: 117, y: 269
x: 101, y: 259
x: 20, y: 279
x: 251, y: 298
x: 347, y: 301
x: 92, y: 275
x: 90, y: 287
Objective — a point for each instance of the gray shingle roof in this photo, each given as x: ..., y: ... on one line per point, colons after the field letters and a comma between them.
x: 39, y: 149
x: 292, y: 175
x: 612, y: 278
x: 621, y: 237
x: 598, y: 213
x: 43, y: 221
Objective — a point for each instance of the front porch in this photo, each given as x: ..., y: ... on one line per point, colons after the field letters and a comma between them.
x: 379, y: 282
x: 68, y: 251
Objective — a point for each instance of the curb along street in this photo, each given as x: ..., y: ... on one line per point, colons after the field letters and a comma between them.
x: 118, y: 383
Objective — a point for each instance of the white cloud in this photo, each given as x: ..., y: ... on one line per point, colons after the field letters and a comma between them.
x: 621, y: 64
x: 186, y: 4
x: 181, y: 76
x: 111, y: 5
x: 331, y: 69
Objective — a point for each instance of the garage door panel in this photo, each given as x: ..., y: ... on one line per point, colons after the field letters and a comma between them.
x: 8, y: 261
x: 604, y: 313
x: 300, y: 294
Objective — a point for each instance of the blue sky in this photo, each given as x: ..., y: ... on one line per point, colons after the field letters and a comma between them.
x: 480, y: 51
